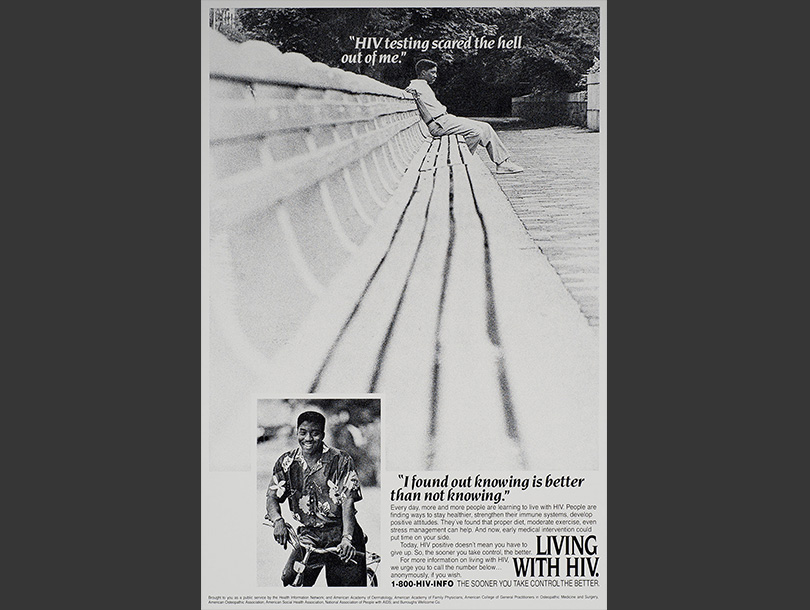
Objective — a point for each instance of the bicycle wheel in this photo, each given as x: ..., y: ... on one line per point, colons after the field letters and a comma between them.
x: 372, y: 577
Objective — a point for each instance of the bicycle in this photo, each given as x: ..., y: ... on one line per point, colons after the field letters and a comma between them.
x: 315, y: 558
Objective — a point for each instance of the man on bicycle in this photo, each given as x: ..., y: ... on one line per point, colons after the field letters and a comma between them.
x: 321, y: 486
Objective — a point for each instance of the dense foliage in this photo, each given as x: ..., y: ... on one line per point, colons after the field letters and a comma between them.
x: 558, y: 46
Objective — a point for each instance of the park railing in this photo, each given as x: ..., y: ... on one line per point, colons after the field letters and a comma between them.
x: 580, y: 108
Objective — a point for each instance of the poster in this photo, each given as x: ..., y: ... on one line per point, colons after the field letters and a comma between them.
x: 445, y: 318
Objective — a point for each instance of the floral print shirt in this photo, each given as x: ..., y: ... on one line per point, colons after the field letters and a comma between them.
x: 315, y: 495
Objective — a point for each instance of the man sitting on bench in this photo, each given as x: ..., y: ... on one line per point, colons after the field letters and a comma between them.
x: 440, y: 123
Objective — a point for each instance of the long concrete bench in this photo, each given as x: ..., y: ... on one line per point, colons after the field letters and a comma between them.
x: 351, y: 253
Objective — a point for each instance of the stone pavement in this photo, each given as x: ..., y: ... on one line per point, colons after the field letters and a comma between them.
x: 557, y: 200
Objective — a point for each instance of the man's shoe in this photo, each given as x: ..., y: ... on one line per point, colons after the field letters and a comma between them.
x: 507, y: 167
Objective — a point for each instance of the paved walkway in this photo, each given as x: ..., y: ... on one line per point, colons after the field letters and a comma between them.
x: 557, y: 199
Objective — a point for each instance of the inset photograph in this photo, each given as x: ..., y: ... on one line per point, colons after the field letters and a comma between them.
x: 318, y: 494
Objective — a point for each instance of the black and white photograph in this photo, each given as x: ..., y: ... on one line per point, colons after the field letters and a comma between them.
x: 423, y: 222
x: 404, y: 273
x: 318, y: 468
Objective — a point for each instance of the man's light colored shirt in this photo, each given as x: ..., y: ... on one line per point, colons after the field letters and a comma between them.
x: 427, y: 97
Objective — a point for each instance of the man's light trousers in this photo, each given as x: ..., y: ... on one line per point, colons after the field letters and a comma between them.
x: 474, y: 132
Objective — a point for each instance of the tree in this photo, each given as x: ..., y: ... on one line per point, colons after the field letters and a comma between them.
x: 558, y: 46
x: 226, y: 21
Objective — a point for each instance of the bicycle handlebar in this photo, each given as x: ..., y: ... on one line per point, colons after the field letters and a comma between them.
x: 295, y: 540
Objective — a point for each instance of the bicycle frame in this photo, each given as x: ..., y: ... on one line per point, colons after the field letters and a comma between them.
x: 311, y: 554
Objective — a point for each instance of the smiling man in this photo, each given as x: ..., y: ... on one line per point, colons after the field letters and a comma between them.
x: 320, y: 484
x: 440, y: 123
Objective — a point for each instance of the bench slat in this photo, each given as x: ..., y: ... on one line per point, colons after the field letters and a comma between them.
x: 469, y: 380
x: 295, y: 367
x: 408, y: 372
x: 550, y: 352
x: 355, y: 359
